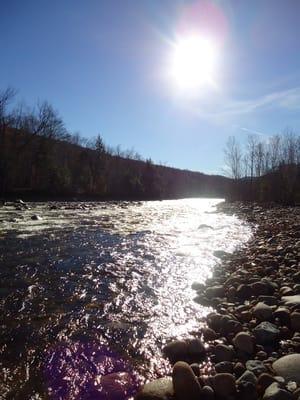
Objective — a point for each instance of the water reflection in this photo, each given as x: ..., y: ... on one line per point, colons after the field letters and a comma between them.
x: 102, y: 285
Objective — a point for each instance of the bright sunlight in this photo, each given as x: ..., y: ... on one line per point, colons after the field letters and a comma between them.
x: 193, y: 62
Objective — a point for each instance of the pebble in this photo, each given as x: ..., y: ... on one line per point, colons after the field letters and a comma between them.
x: 224, y: 353
x: 224, y: 385
x: 243, y: 341
x: 275, y: 392
x: 266, y: 333
x: 262, y: 311
x: 159, y: 389
x: 185, y: 383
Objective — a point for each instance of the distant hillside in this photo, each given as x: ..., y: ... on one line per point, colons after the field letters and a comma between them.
x: 35, y: 165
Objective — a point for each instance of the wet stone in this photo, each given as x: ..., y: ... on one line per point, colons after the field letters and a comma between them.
x: 159, y: 389
x: 185, y: 383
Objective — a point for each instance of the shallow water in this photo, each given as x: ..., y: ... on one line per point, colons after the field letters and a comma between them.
x: 92, y: 289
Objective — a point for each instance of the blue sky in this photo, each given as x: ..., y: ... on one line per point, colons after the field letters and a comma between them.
x: 102, y: 64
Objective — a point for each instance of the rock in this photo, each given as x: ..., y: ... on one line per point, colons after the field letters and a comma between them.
x: 224, y: 366
x: 262, y: 312
x: 221, y: 254
x: 288, y: 367
x: 209, y: 334
x: 159, y: 389
x: 207, y: 393
x: 244, y: 292
x: 262, y: 288
x: 283, y: 314
x: 215, y: 291
x: 188, y: 350
x: 274, y: 392
x: 223, y: 353
x: 239, y: 369
x: 243, y: 341
x: 224, y: 385
x: 247, y: 391
x: 270, y: 300
x: 291, y: 300
x: 264, y: 380
x: 196, y: 369
x: 116, y: 385
x: 295, y: 321
x: 36, y: 217
x: 256, y: 366
x: 185, y: 383
x: 248, y: 376
x: 266, y: 333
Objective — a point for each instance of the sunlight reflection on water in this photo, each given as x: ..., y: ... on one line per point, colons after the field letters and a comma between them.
x: 113, y: 273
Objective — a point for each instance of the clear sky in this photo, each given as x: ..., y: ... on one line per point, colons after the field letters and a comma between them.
x: 105, y: 65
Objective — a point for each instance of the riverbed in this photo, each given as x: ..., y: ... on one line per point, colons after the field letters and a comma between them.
x: 90, y: 289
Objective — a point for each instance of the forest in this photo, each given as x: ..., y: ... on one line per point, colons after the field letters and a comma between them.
x: 40, y: 158
x: 265, y: 169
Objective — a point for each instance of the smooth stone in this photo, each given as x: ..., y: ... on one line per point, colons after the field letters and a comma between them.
x: 256, y: 366
x: 207, y: 393
x: 159, y: 389
x: 224, y: 385
x: 215, y: 291
x: 274, y: 392
x: 189, y: 350
x: 270, y: 300
x: 248, y: 376
x: 264, y: 380
x: 36, y: 218
x: 295, y: 321
x: 243, y: 341
x: 224, y: 366
x: 185, y: 383
x: 283, y: 314
x: 291, y: 300
x: 223, y: 353
x: 262, y: 311
x: 288, y: 367
x: 266, y: 333
x: 116, y: 385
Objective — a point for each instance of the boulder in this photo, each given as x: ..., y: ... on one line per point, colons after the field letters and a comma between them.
x: 159, y: 389
x: 185, y: 383
x: 288, y: 367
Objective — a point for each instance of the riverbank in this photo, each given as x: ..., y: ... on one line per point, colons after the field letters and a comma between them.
x: 250, y: 347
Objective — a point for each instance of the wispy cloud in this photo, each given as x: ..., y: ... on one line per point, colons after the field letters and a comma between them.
x: 253, y: 131
x: 288, y: 100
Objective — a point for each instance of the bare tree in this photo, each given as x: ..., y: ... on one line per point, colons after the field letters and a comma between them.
x: 233, y: 158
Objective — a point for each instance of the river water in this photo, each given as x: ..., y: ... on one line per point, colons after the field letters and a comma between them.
x: 93, y: 290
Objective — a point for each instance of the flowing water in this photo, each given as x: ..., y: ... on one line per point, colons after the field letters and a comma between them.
x: 90, y: 292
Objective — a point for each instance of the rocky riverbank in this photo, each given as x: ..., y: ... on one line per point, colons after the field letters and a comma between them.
x: 250, y: 346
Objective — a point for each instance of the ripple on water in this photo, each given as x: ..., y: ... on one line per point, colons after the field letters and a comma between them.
x: 90, y: 293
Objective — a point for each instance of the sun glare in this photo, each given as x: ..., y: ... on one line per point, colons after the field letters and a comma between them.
x: 193, y: 63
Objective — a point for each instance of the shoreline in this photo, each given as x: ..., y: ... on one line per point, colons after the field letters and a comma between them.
x: 250, y: 347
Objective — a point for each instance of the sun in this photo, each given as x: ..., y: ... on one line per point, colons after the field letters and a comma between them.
x: 193, y: 62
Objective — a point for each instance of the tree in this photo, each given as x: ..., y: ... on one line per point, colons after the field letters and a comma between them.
x: 233, y: 158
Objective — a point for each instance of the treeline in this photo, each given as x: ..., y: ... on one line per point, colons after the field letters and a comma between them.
x: 39, y: 156
x: 265, y: 170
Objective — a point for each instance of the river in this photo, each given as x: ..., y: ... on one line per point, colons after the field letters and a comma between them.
x: 91, y: 289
